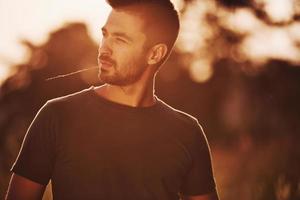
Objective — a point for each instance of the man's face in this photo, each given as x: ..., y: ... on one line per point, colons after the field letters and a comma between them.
x: 122, y: 56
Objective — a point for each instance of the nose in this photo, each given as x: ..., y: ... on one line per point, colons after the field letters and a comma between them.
x: 105, y: 47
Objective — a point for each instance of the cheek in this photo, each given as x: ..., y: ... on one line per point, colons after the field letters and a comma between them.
x: 126, y: 56
x: 129, y: 56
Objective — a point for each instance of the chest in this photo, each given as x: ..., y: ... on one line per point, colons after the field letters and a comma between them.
x: 109, y: 154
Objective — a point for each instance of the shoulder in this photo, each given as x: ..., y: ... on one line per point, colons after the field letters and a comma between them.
x: 186, y: 127
x: 64, y: 104
x: 70, y: 100
x: 59, y: 109
x: 179, y: 117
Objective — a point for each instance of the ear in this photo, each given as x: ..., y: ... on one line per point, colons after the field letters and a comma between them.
x: 157, y: 53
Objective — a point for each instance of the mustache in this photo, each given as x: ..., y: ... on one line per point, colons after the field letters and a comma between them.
x: 106, y: 59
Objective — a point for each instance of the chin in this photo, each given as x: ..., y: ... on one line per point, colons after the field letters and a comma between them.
x: 105, y: 78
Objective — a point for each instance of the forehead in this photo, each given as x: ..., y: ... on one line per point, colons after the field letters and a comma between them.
x: 125, y: 22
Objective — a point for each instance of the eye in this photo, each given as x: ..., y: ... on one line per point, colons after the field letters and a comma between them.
x: 119, y: 39
x: 104, y: 34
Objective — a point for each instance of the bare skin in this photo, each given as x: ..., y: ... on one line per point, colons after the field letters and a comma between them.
x: 25, y: 189
x: 212, y: 196
x: 137, y: 95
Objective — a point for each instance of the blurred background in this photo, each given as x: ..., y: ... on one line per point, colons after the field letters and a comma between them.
x: 236, y: 67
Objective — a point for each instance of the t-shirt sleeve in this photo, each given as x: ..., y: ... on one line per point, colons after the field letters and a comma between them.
x: 199, y: 180
x: 36, y: 157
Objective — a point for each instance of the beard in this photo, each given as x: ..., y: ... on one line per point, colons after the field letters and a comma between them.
x: 124, y: 75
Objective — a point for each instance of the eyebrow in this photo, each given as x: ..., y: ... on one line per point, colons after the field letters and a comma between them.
x: 118, y: 34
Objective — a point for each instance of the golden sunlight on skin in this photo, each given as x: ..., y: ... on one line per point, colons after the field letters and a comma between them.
x: 34, y: 19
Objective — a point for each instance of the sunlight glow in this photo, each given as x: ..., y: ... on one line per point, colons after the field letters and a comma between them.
x: 200, y: 25
x: 34, y: 19
x: 3, y: 73
x: 178, y: 4
x: 194, y: 33
x: 262, y: 41
x: 241, y: 20
x: 294, y: 31
x: 201, y: 70
x: 271, y: 43
x: 280, y: 10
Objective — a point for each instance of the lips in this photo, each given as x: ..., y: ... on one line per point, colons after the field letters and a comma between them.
x: 105, y: 61
x: 105, y: 64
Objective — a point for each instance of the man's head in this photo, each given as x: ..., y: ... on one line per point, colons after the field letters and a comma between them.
x: 161, y: 21
x: 138, y: 35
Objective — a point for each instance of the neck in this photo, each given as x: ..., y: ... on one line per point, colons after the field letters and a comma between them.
x: 135, y: 95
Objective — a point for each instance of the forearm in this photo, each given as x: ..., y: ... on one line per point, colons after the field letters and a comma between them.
x: 212, y: 196
x: 25, y: 189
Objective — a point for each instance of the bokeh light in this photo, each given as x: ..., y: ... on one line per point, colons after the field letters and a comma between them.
x: 235, y: 68
x: 258, y: 40
x: 271, y: 43
x: 279, y: 10
x: 201, y: 70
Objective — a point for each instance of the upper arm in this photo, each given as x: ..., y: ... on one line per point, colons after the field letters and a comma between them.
x: 212, y: 196
x: 199, y: 178
x: 23, y: 188
x: 37, y: 154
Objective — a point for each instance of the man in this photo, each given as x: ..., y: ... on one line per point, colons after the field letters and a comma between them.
x: 119, y: 140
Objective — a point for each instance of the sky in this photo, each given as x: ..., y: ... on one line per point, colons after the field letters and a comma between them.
x: 34, y: 19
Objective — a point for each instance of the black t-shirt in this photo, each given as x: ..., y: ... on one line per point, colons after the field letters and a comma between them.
x: 92, y: 148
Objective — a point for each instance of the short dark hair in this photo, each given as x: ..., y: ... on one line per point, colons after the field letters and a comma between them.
x: 160, y: 17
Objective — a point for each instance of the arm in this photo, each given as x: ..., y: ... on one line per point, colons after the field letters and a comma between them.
x: 33, y: 167
x: 199, y: 183
x: 212, y: 196
x: 23, y: 188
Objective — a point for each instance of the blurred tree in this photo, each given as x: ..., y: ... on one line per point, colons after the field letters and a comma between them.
x: 249, y: 109
x: 21, y: 95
